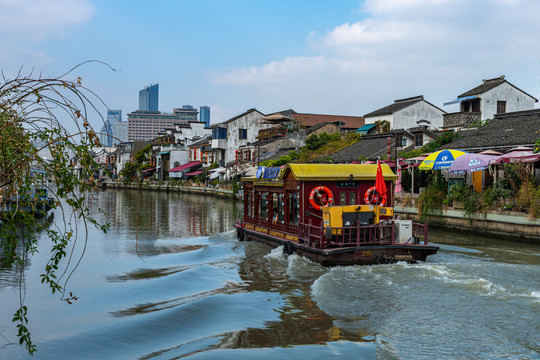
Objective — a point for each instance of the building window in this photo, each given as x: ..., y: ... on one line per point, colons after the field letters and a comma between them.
x: 418, y: 139
x: 242, y: 134
x: 501, y: 107
x: 219, y: 133
x: 401, y: 141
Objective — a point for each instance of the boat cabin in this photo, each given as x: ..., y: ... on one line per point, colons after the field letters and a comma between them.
x: 331, y: 214
x: 301, y: 192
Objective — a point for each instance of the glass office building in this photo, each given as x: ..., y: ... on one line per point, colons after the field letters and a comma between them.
x: 204, y: 115
x: 148, y: 98
x: 113, y: 116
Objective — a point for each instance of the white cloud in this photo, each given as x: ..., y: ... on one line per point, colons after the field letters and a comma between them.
x: 275, y: 71
x: 26, y: 21
x: 38, y: 19
x: 437, y: 48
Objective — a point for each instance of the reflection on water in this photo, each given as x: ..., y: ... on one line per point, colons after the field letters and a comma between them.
x: 516, y: 252
x: 170, y: 281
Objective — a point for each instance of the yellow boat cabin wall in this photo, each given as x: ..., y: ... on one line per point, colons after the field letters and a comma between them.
x: 297, y: 194
x: 343, y: 216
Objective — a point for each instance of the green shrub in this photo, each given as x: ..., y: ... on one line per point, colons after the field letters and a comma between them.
x: 430, y: 202
x: 460, y: 191
x: 528, y: 197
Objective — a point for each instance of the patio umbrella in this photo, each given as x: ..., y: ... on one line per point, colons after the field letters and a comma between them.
x: 441, y: 159
x: 490, y: 152
x: 517, y: 156
x: 471, y: 162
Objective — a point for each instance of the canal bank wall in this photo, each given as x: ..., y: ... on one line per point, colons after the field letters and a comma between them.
x: 219, y: 192
x: 509, y: 225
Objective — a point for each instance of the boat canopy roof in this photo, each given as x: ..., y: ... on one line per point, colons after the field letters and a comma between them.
x: 338, y: 172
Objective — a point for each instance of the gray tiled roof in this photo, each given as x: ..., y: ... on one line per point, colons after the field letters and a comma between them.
x: 278, y: 154
x: 368, y: 147
x: 205, y: 140
x: 486, y: 85
x: 504, y: 131
x: 396, y: 106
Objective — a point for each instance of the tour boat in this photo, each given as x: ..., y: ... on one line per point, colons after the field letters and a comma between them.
x: 333, y: 214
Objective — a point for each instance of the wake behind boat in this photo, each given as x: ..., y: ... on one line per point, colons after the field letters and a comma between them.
x: 333, y: 214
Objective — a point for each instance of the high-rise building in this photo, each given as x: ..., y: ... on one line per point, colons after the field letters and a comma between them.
x: 120, y: 131
x: 204, y: 115
x: 186, y: 112
x: 148, y: 98
x: 105, y: 134
x: 146, y: 125
x: 114, y: 116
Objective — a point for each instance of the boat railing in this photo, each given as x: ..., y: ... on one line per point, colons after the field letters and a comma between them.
x: 311, y: 235
x: 362, y: 235
x: 383, y: 233
x: 419, y: 231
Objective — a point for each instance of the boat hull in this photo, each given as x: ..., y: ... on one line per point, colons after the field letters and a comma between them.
x: 340, y: 256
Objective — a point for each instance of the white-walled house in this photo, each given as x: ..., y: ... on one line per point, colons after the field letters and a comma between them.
x: 407, y: 113
x: 238, y: 132
x: 493, y: 96
x: 192, y: 131
x: 174, y: 145
x: 201, y: 150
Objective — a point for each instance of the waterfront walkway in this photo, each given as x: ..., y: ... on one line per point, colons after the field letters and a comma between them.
x: 507, y: 224
x: 194, y: 189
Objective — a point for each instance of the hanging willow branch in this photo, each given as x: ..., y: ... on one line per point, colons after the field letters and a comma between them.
x: 35, y: 115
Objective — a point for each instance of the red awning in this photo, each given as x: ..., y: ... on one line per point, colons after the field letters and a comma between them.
x: 195, y: 173
x: 185, y: 166
x: 147, y: 170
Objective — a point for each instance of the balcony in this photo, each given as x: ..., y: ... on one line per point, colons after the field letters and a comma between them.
x: 460, y: 119
x: 219, y: 143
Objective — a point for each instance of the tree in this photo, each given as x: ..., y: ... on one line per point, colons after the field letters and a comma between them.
x: 383, y: 126
x: 33, y: 115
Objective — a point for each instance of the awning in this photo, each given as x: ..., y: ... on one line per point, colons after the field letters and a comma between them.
x: 194, y: 173
x: 163, y: 153
x: 216, y: 174
x: 336, y: 172
x: 417, y: 158
x: 185, y: 166
x: 364, y: 129
x: 147, y: 170
x: 458, y: 100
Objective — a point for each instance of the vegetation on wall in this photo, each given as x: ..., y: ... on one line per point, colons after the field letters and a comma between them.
x: 319, y: 148
x: 446, y: 137
x: 131, y: 170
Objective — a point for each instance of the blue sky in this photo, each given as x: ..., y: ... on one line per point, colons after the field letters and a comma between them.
x: 344, y: 57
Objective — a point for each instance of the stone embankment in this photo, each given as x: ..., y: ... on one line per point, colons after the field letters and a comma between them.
x: 508, y: 224
x: 220, y: 192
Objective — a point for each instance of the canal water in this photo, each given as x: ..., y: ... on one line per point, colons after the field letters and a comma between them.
x: 170, y: 281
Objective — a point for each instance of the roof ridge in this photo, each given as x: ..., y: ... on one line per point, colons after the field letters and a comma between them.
x: 414, y: 98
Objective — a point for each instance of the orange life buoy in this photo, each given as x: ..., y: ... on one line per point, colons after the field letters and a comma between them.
x: 371, y: 197
x: 329, y: 200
